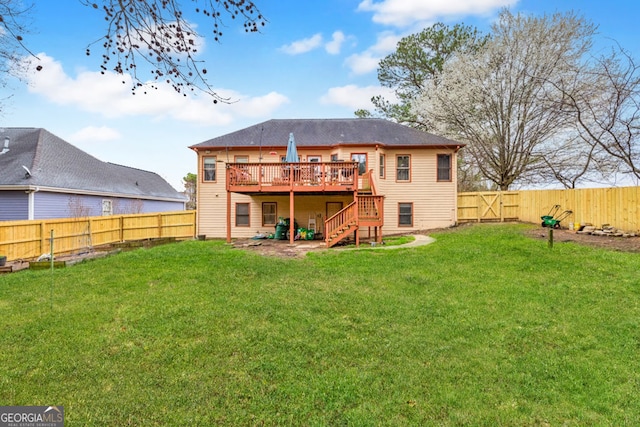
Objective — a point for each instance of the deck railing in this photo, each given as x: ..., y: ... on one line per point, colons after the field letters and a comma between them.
x: 370, y: 210
x: 340, y: 223
x: 367, y: 181
x: 307, y: 176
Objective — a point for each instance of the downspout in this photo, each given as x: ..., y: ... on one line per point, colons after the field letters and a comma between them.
x: 32, y: 202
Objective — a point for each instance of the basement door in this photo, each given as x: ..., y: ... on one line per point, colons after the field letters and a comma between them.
x: 333, y: 208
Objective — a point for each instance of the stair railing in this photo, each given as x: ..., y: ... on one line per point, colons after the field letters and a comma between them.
x: 338, y: 226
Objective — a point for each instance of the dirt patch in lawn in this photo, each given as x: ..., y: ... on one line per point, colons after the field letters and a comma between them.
x: 622, y: 244
x: 282, y: 248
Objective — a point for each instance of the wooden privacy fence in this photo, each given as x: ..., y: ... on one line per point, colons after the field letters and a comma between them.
x: 30, y: 239
x: 618, y: 207
x: 488, y: 206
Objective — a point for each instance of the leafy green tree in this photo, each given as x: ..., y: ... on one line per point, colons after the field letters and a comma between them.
x: 418, y: 59
x: 190, y: 181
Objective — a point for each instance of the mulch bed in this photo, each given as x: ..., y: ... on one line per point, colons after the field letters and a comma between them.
x: 622, y: 244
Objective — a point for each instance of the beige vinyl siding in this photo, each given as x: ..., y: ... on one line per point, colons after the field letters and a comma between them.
x: 212, y: 203
x: 434, y: 203
x: 214, y: 223
x: 305, y: 206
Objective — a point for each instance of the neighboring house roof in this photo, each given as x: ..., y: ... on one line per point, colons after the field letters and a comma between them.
x: 37, y: 158
x: 328, y: 132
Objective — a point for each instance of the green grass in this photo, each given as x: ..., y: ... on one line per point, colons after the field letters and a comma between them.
x: 398, y: 240
x: 483, y: 327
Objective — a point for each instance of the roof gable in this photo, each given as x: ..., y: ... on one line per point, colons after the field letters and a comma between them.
x: 37, y: 157
x: 327, y: 132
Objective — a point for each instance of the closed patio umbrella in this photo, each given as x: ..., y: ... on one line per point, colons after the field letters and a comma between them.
x: 291, y: 157
x: 292, y: 150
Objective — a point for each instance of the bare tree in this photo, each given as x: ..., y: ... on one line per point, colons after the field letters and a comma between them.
x: 14, y: 25
x: 607, y: 110
x: 501, y: 100
x: 571, y: 160
x: 134, y: 206
x: 147, y: 39
x: 77, y: 207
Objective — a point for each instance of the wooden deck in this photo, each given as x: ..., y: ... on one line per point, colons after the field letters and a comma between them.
x: 367, y: 209
x: 297, y: 177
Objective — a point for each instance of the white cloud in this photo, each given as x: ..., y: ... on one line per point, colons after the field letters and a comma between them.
x: 303, y: 46
x: 367, y: 61
x: 402, y: 13
x: 362, y: 63
x: 106, y: 94
x: 259, y: 106
x: 355, y: 97
x: 333, y: 47
x: 95, y: 134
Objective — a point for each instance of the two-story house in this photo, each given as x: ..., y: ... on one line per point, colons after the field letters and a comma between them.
x: 352, y: 176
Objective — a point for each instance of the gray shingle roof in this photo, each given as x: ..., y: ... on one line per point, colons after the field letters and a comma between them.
x: 327, y: 132
x: 55, y: 163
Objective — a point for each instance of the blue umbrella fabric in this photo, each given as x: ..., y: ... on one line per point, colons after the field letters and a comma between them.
x: 292, y: 150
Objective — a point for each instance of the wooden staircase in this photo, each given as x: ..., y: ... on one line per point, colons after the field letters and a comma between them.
x: 367, y: 210
x: 341, y: 225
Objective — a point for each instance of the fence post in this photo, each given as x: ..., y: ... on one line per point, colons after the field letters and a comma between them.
x: 90, y: 232
x: 42, y: 237
x: 75, y: 233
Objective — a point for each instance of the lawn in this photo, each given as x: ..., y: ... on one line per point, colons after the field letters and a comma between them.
x: 483, y: 327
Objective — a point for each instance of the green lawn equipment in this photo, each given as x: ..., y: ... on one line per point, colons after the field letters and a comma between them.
x: 551, y: 221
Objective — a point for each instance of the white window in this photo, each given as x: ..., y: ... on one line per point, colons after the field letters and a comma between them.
x: 444, y: 167
x: 405, y: 214
x: 107, y: 207
x: 209, y: 168
x: 403, y: 167
x: 242, y: 215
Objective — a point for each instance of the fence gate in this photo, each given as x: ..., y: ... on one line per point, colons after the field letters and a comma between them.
x: 488, y: 206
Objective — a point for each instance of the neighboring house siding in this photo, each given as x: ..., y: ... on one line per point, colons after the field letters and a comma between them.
x: 14, y: 205
x: 150, y: 206
x: 60, y: 205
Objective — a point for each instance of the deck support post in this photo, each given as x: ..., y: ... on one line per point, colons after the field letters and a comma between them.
x: 228, y: 216
x: 356, y: 214
x: 292, y: 231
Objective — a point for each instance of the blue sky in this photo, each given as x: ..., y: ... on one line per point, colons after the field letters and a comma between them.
x: 317, y: 60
